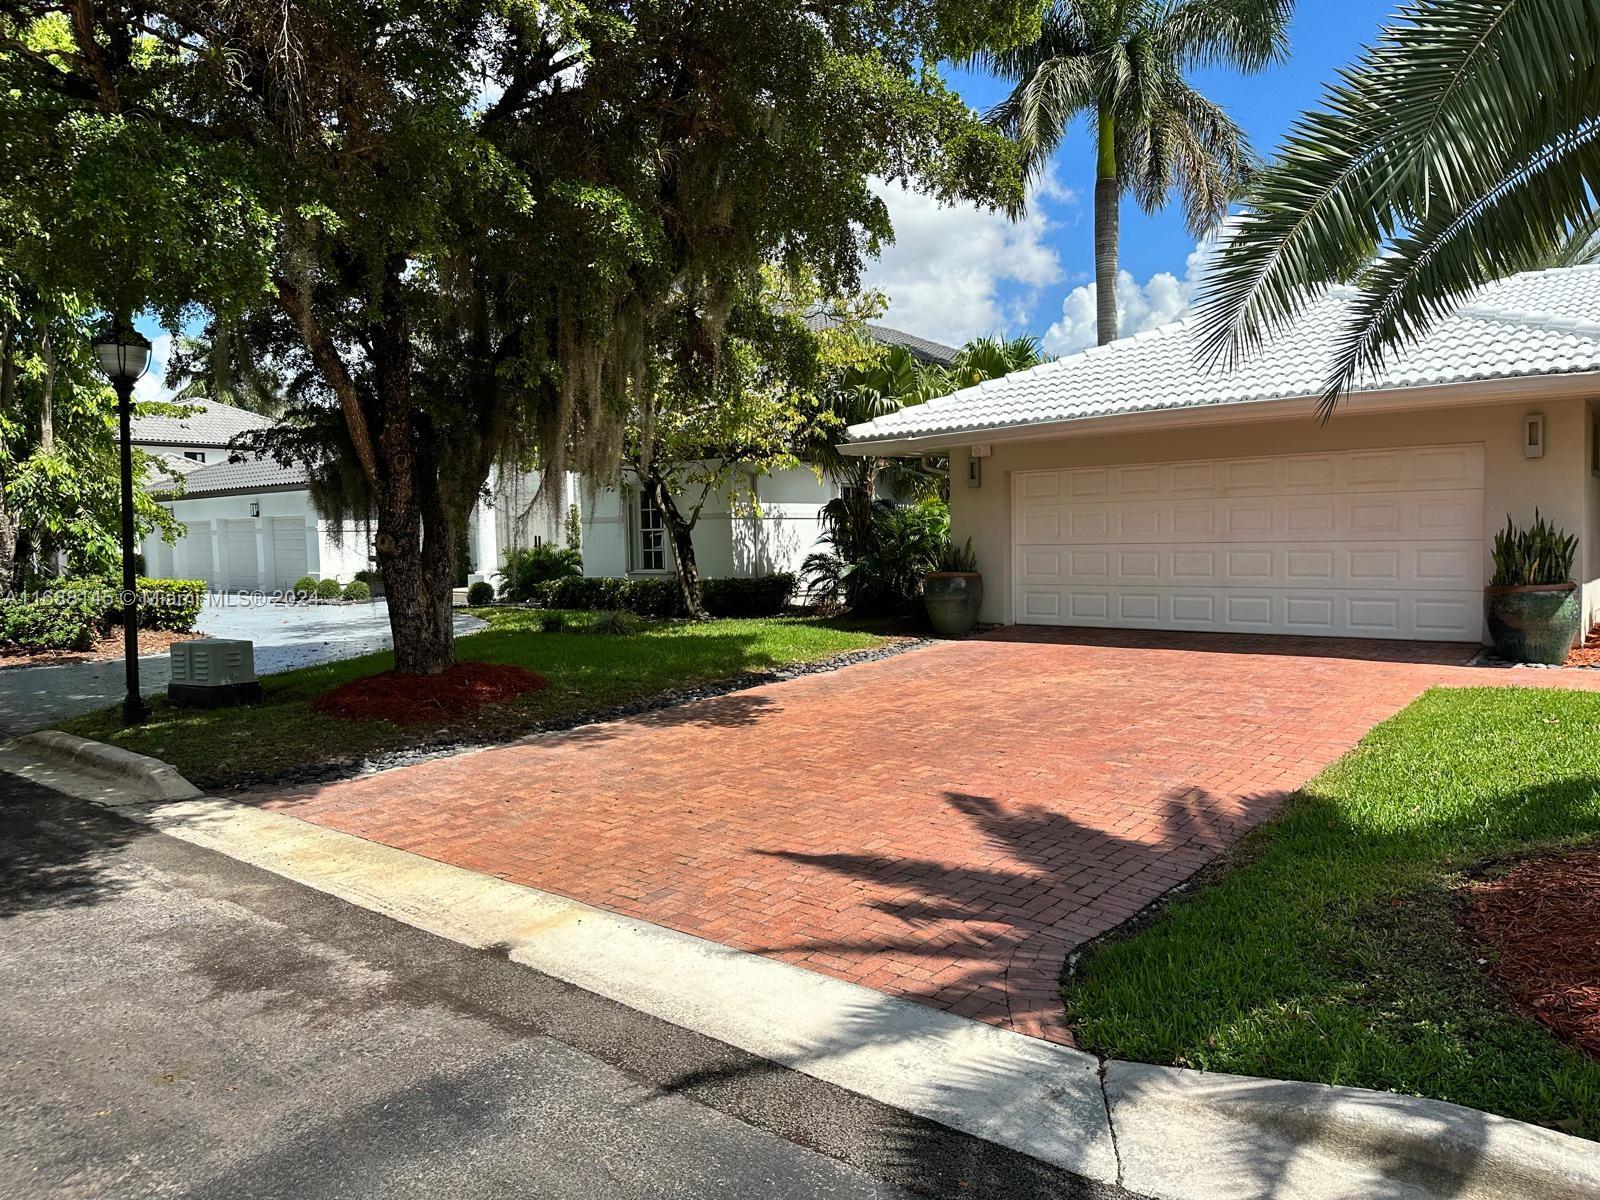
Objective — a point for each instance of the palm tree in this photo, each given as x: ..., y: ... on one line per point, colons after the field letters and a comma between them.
x: 1461, y: 148
x: 989, y: 358
x: 1122, y: 64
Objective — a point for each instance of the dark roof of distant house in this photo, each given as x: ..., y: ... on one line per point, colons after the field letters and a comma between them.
x: 211, y: 424
x: 921, y: 348
x: 233, y: 478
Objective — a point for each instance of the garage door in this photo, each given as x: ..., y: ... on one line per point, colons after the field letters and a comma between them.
x: 195, y: 558
x: 288, y: 551
x: 1385, y: 543
x: 239, y: 550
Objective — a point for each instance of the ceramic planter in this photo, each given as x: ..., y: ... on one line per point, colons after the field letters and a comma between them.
x: 952, y: 600
x: 1533, y: 624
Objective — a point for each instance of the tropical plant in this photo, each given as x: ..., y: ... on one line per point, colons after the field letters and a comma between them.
x: 552, y: 622
x: 883, y: 573
x: 956, y: 560
x: 1122, y: 63
x: 524, y: 569
x: 1463, y: 146
x: 1538, y: 554
x: 986, y: 358
x: 617, y: 623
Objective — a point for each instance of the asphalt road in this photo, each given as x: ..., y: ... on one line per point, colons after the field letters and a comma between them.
x: 286, y: 636
x: 176, y: 1023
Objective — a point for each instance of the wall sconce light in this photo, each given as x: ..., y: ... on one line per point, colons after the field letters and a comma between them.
x: 1533, y: 435
x: 255, y: 508
x: 975, y: 459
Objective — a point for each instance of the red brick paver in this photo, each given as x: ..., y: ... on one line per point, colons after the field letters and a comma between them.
x: 944, y: 825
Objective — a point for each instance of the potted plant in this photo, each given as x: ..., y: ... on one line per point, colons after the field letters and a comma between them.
x: 953, y: 591
x: 1532, y: 606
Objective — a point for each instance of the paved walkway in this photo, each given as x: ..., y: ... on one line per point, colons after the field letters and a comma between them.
x: 285, y: 636
x: 944, y: 825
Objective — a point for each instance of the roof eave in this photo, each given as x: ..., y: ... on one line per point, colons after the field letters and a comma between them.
x: 1445, y: 395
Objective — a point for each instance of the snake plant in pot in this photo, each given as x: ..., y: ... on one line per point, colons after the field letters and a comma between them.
x: 1532, y: 606
x: 953, y: 591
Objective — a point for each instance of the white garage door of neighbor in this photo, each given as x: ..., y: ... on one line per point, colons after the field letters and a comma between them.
x: 1371, y: 543
x: 239, y: 548
x: 194, y: 553
x: 288, y: 551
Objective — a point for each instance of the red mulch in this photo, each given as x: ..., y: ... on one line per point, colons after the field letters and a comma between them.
x: 1588, y: 654
x: 420, y: 699
x: 1542, y: 920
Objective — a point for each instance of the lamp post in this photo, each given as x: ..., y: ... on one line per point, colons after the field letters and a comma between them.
x: 125, y: 356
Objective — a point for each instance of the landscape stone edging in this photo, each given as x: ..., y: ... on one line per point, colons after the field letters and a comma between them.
x: 144, y: 778
x: 1175, y: 1133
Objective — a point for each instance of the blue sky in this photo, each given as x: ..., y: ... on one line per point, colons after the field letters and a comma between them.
x: 957, y: 273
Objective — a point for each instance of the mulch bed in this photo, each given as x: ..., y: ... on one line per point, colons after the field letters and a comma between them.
x: 1541, y: 923
x: 107, y: 649
x: 1588, y: 654
x: 426, y: 699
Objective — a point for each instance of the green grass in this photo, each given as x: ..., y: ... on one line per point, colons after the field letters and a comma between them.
x: 586, y: 673
x: 1331, y: 952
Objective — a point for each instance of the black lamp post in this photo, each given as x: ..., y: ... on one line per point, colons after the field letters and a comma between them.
x: 125, y: 356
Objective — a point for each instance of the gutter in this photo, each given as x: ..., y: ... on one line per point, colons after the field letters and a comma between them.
x: 1446, y: 395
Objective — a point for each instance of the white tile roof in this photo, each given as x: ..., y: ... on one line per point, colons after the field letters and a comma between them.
x: 1542, y: 323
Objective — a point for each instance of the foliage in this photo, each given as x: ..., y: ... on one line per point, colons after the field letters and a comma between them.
x: 461, y: 234
x: 756, y: 596
x: 574, y: 530
x: 167, y: 604
x: 1123, y: 63
x: 305, y: 587
x: 361, y: 591
x: 219, y: 748
x: 985, y: 358
x: 617, y: 623
x: 1463, y: 146
x: 480, y: 594
x: 372, y: 578
x: 328, y: 589
x: 1332, y: 953
x: 1537, y: 554
x: 532, y: 565
x: 50, y: 621
x: 764, y: 595
x: 882, y: 574
x: 552, y: 622
x: 956, y: 560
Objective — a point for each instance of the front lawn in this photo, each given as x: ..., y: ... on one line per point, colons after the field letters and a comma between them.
x: 1332, y: 951
x: 586, y: 673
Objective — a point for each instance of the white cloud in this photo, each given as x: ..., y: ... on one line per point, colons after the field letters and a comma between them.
x: 153, y: 384
x: 1160, y: 300
x: 944, y: 271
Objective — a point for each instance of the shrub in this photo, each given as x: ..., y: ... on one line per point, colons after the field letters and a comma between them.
x: 369, y: 576
x: 616, y: 623
x: 1541, y: 553
x: 329, y: 589
x: 552, y: 622
x: 305, y: 587
x: 61, y: 620
x: 168, y: 604
x: 357, y: 589
x: 763, y: 596
x: 527, y: 568
x: 956, y: 560
x: 902, y: 544
x: 480, y: 594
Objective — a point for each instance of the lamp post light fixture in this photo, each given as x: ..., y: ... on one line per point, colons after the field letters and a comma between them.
x: 125, y: 356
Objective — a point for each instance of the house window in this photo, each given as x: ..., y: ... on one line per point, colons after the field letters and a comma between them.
x: 652, y: 535
x: 196, y: 455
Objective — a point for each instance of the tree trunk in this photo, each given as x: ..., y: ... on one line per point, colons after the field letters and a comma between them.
x: 861, y: 499
x: 1107, y: 197
x: 415, y: 539
x: 47, y: 395
x: 681, y: 530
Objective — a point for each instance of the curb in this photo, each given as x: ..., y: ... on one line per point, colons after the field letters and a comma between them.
x: 106, y: 774
x: 1166, y: 1132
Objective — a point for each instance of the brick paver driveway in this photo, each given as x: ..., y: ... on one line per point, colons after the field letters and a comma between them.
x: 944, y: 825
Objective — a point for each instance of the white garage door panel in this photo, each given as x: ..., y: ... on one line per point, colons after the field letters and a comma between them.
x: 1382, y: 543
x: 239, y: 547
x: 289, y: 556
x: 194, y: 553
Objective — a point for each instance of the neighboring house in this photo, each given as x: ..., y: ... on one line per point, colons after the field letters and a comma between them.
x: 1128, y: 487
x: 250, y: 525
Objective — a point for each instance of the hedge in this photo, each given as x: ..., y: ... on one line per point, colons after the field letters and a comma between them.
x: 168, y: 604
x: 65, y: 620
x: 763, y: 596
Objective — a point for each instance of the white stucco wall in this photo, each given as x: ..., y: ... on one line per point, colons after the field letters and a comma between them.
x: 735, y: 536
x: 201, y: 552
x: 1561, y: 484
